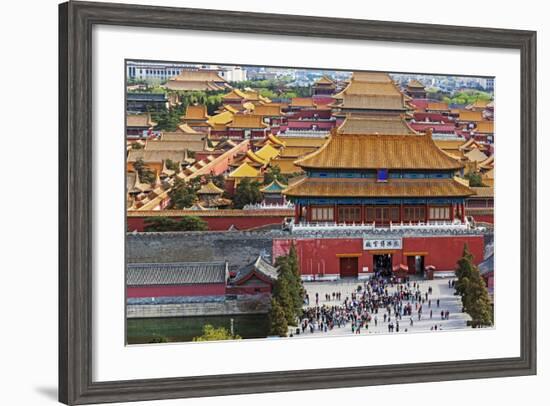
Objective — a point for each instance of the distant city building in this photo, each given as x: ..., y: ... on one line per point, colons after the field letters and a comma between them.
x: 143, y: 102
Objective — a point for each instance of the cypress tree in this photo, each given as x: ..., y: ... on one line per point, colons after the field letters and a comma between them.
x: 471, y: 287
x: 277, y: 320
x: 282, y: 290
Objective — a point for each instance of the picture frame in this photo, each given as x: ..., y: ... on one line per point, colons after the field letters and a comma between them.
x: 76, y: 20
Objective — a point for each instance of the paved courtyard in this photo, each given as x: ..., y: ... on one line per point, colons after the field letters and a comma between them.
x: 440, y: 290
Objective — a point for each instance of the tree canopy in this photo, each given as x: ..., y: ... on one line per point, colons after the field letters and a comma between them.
x: 473, y: 291
x: 475, y: 179
x: 182, y: 195
x: 211, y: 333
x: 185, y: 223
x: 274, y: 173
x: 145, y: 174
x: 288, y: 290
x: 247, y: 192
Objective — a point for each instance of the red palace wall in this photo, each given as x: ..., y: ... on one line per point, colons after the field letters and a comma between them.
x: 488, y: 218
x: 218, y: 223
x: 176, y: 290
x: 322, y: 256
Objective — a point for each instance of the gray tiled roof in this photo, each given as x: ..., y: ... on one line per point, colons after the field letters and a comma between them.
x: 487, y: 265
x: 261, y: 266
x: 178, y: 273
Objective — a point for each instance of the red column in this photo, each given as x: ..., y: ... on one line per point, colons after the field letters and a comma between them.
x: 451, y: 211
x: 335, y: 208
x: 401, y: 216
x: 308, y: 213
x: 362, y: 213
x: 462, y: 211
x: 297, y: 213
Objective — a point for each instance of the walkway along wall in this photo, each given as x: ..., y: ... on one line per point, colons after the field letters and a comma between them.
x: 217, y: 220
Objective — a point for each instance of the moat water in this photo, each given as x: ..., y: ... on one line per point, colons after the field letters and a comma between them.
x: 182, y: 329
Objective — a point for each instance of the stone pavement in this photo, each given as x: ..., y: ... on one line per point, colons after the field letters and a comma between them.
x: 440, y: 289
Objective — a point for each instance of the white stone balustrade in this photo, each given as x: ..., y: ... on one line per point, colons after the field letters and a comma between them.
x: 435, y: 226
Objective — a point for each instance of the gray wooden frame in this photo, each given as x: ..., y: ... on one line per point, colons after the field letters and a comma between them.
x: 75, y: 187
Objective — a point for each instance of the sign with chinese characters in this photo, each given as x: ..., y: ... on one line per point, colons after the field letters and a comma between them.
x: 391, y: 243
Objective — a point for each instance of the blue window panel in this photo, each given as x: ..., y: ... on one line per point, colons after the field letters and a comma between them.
x: 414, y: 201
x: 382, y: 175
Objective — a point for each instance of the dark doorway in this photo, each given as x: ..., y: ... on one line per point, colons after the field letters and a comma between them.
x: 382, y: 265
x: 349, y: 267
x: 415, y: 264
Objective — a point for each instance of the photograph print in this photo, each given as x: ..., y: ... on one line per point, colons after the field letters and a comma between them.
x: 288, y: 203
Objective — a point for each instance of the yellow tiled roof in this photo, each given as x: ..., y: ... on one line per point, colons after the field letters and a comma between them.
x: 475, y: 155
x: 466, y: 115
x: 255, y: 158
x: 488, y: 163
x: 193, y: 85
x: 485, y: 127
x: 374, y: 77
x: 156, y: 156
x: 247, y: 121
x: 325, y: 80
x: 230, y: 108
x: 375, y: 124
x: 276, y: 141
x: 379, y: 151
x: 487, y: 191
x: 286, y: 165
x: 415, y: 84
x: 267, y: 152
x: 181, y: 136
x: 249, y: 106
x: 297, y: 152
x: 210, y: 189
x: 327, y: 187
x: 199, y: 75
x: 489, y: 174
x: 161, y: 145
x: 437, y: 106
x: 302, y: 102
x: 234, y: 94
x: 139, y: 120
x: 480, y: 104
x: 196, y: 112
x: 221, y: 119
x: 245, y: 171
x: 270, y: 110
x: 184, y: 128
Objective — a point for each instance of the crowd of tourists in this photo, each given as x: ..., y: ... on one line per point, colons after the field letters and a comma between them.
x: 396, y: 303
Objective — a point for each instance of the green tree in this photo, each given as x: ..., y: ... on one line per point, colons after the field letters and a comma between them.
x: 288, y: 289
x: 186, y: 223
x: 475, y: 179
x: 160, y: 224
x: 218, y: 180
x: 278, y: 325
x: 247, y: 192
x: 182, y: 195
x: 282, y: 293
x: 471, y: 288
x: 174, y: 166
x: 274, y: 173
x: 145, y: 174
x: 158, y: 339
x: 192, y: 223
x: 137, y: 145
x: 211, y: 333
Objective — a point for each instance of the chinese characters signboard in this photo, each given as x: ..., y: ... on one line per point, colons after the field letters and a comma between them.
x: 382, y: 243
